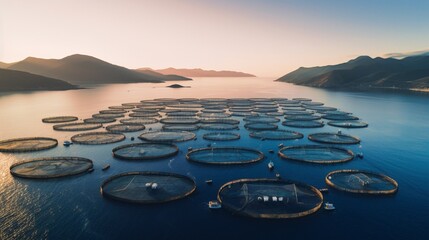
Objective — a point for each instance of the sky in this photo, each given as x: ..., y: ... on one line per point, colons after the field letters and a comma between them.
x: 268, y: 38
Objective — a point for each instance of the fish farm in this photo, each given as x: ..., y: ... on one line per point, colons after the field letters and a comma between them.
x: 199, y: 132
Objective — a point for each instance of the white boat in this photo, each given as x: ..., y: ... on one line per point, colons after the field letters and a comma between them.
x: 67, y: 143
x: 329, y: 206
x: 270, y: 165
x: 107, y: 166
x: 214, y: 205
x: 154, y: 186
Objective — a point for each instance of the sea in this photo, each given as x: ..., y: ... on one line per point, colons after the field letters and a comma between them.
x: 396, y: 143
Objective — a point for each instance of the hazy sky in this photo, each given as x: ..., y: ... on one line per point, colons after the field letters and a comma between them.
x: 266, y: 38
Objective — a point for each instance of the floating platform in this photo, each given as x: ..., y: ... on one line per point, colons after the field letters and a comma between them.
x: 224, y: 155
x: 316, y: 154
x: 27, y: 144
x: 145, y: 151
x: 95, y: 138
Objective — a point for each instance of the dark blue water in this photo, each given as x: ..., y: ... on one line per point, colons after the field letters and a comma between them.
x: 396, y: 143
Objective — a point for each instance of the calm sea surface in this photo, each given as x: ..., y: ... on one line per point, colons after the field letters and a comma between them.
x: 396, y: 143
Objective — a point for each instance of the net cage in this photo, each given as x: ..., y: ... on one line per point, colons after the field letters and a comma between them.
x: 147, y: 187
x: 302, y: 117
x: 113, y: 111
x: 218, y: 126
x: 59, y: 119
x: 221, y: 136
x: 224, y: 155
x: 339, y: 117
x: 301, y: 99
x: 316, y: 154
x: 95, y: 138
x: 180, y: 127
x: 260, y: 126
x: 320, y: 108
x: 77, y: 126
x: 348, y: 124
x: 310, y: 103
x: 124, y: 107
x: 213, y: 110
x: 27, y: 144
x: 144, y: 115
x: 213, y: 115
x: 138, y: 121
x: 132, y: 104
x: 167, y: 136
x: 145, y: 151
x: 184, y: 120
x: 333, y: 138
x: 359, y: 181
x: 297, y: 112
x: 51, y: 167
x: 220, y: 120
x: 261, y: 119
x: 270, y: 198
x: 276, y: 135
x: 181, y: 114
x: 108, y: 115
x: 303, y: 124
x: 120, y: 128
x: 99, y: 120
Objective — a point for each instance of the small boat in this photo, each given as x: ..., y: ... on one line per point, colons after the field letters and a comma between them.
x: 189, y: 149
x: 107, y: 166
x: 278, y: 175
x: 91, y: 170
x: 154, y: 186
x: 360, y: 155
x: 329, y: 206
x: 270, y: 165
x: 209, y: 181
x: 132, y: 138
x: 214, y: 205
x: 271, y: 151
x: 142, y: 152
x: 324, y: 190
x: 281, y: 145
x: 67, y: 143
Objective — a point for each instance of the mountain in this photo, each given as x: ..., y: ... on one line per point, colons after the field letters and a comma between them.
x: 198, y: 72
x: 364, y: 73
x: 11, y: 80
x: 4, y: 65
x: 82, y: 69
x: 169, y: 77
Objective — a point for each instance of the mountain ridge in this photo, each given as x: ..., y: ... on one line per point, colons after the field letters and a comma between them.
x: 365, y: 72
x: 198, y: 72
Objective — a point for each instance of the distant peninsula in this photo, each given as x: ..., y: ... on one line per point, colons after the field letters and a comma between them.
x: 198, y: 72
x: 11, y: 80
x: 82, y: 69
x: 364, y: 72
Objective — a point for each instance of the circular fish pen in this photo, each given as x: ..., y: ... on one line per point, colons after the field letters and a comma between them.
x: 95, y: 138
x: 303, y: 124
x: 214, y: 115
x: 221, y: 136
x: 276, y: 135
x: 302, y: 117
x: 180, y: 127
x: 269, y: 198
x: 145, y: 151
x: 120, y: 128
x: 107, y: 115
x: 261, y: 119
x: 123, y: 107
x: 348, y: 124
x: 358, y: 181
x: 138, y: 121
x: 52, y: 167
x: 27, y: 144
x: 260, y: 126
x: 220, y: 120
x: 144, y: 115
x: 302, y: 99
x: 181, y: 114
x: 77, y: 126
x: 113, y: 111
x: 218, y: 126
x: 148, y: 187
x: 316, y: 154
x: 59, y: 119
x: 339, y: 117
x: 99, y: 120
x: 167, y: 136
x: 224, y: 155
x: 179, y: 120
x: 333, y: 138
x: 297, y: 112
